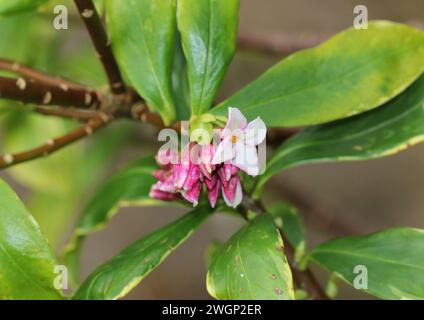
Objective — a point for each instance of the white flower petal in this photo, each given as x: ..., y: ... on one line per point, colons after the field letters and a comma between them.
x: 246, y: 159
x: 224, y: 152
x: 236, y: 120
x: 255, y: 132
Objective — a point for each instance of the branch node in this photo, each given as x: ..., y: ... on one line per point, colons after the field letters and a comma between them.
x: 87, y: 13
x: 104, y: 117
x: 21, y: 83
x: 64, y: 87
x: 88, y: 130
x: 8, y: 158
x: 47, y: 97
x: 88, y: 98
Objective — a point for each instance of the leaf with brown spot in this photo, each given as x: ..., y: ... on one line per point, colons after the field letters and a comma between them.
x: 252, y: 265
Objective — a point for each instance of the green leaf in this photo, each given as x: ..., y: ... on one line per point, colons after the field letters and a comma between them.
x: 212, y: 251
x: 128, y: 187
x: 394, y: 262
x: 252, y: 265
x: 180, y: 83
x: 8, y: 7
x: 115, y: 278
x: 355, y: 71
x: 143, y: 38
x: 385, y: 131
x: 288, y: 219
x: 26, y: 263
x: 208, y: 31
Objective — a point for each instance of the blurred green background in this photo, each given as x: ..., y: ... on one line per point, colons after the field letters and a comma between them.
x: 338, y: 199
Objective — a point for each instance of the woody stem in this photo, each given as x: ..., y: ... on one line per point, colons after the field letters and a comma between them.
x: 95, y: 28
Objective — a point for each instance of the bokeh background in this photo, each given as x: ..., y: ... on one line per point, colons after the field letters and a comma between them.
x: 335, y: 199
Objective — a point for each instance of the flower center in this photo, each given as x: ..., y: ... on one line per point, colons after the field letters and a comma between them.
x: 234, y: 139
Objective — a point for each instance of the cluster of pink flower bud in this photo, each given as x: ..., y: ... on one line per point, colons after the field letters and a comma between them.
x: 213, y: 169
x: 188, y: 178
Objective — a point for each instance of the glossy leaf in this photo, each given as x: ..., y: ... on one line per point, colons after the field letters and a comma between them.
x: 118, y: 276
x: 129, y: 186
x: 143, y: 38
x: 8, y: 7
x: 355, y: 71
x: 252, y: 265
x: 213, y: 249
x: 27, y: 266
x: 385, y: 131
x: 394, y: 262
x: 208, y: 31
x: 288, y: 219
x: 180, y: 84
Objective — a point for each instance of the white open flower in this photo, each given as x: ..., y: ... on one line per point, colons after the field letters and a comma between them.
x: 239, y: 141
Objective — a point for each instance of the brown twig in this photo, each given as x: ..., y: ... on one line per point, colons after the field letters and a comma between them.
x: 71, y: 113
x: 53, y: 145
x: 32, y: 91
x: 39, y: 76
x: 98, y: 35
x: 304, y: 279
